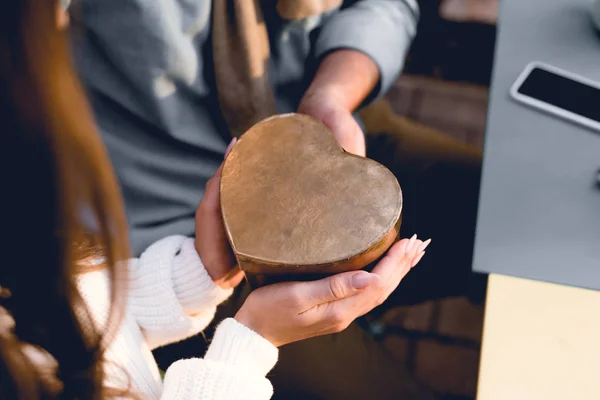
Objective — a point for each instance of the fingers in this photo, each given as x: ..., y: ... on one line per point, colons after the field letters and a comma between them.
x: 230, y: 147
x: 211, y: 197
x: 420, y: 252
x: 334, y: 288
x: 397, y: 263
x: 388, y: 265
x: 232, y: 278
x: 403, y: 264
x: 392, y: 269
x: 407, y: 252
x: 338, y: 300
x: 217, y: 176
x: 384, y: 279
x: 350, y: 136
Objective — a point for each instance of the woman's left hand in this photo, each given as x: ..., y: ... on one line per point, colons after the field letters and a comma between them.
x: 211, y: 240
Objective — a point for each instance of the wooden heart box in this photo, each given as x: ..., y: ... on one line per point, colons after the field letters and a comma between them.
x: 294, y: 202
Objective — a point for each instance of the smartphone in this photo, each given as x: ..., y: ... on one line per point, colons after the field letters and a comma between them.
x: 558, y: 92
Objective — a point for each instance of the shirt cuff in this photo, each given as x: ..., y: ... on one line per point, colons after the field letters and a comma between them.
x: 192, y: 284
x: 237, y: 345
x: 381, y: 29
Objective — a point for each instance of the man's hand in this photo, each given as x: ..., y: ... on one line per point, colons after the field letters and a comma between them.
x: 211, y: 239
x: 343, y: 81
x: 327, y: 108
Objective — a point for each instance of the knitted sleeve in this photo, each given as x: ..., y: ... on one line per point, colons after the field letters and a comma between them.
x: 234, y: 367
x: 171, y: 294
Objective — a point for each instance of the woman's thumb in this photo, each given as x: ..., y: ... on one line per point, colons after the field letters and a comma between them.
x: 340, y: 286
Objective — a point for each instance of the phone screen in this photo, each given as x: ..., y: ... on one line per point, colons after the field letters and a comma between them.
x: 562, y: 92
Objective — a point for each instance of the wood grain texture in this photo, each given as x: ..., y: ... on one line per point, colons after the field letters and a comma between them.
x: 294, y: 202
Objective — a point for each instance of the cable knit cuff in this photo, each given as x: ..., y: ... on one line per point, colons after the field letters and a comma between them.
x: 170, y: 293
x: 192, y: 284
x: 198, y: 378
x: 236, y: 345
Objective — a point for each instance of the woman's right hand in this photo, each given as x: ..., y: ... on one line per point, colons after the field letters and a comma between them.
x: 288, y: 312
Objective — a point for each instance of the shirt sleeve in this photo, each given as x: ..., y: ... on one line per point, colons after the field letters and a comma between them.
x: 381, y: 29
x: 234, y: 367
x: 171, y: 294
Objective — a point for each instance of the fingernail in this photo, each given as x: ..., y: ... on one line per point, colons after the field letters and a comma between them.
x: 416, y: 260
x: 412, y: 241
x: 362, y: 280
x: 424, y: 245
x: 230, y: 146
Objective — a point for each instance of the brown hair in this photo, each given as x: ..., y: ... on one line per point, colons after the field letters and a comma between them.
x: 53, y: 167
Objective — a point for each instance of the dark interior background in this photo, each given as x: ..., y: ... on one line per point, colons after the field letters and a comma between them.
x: 445, y: 86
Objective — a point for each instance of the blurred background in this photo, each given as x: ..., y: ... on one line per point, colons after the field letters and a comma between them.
x: 445, y: 86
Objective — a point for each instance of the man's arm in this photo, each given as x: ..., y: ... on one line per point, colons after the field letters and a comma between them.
x: 344, y: 79
x: 362, y: 48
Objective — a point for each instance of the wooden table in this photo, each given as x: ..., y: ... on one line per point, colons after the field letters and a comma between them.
x: 541, y: 341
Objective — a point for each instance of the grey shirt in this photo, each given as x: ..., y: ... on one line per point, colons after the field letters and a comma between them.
x: 147, y: 65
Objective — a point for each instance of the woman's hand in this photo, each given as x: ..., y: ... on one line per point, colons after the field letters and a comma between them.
x: 288, y: 312
x: 211, y: 240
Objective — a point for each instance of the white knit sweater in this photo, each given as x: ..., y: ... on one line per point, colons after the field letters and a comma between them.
x: 171, y: 297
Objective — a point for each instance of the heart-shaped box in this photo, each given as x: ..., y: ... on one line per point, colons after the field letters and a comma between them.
x: 294, y: 202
